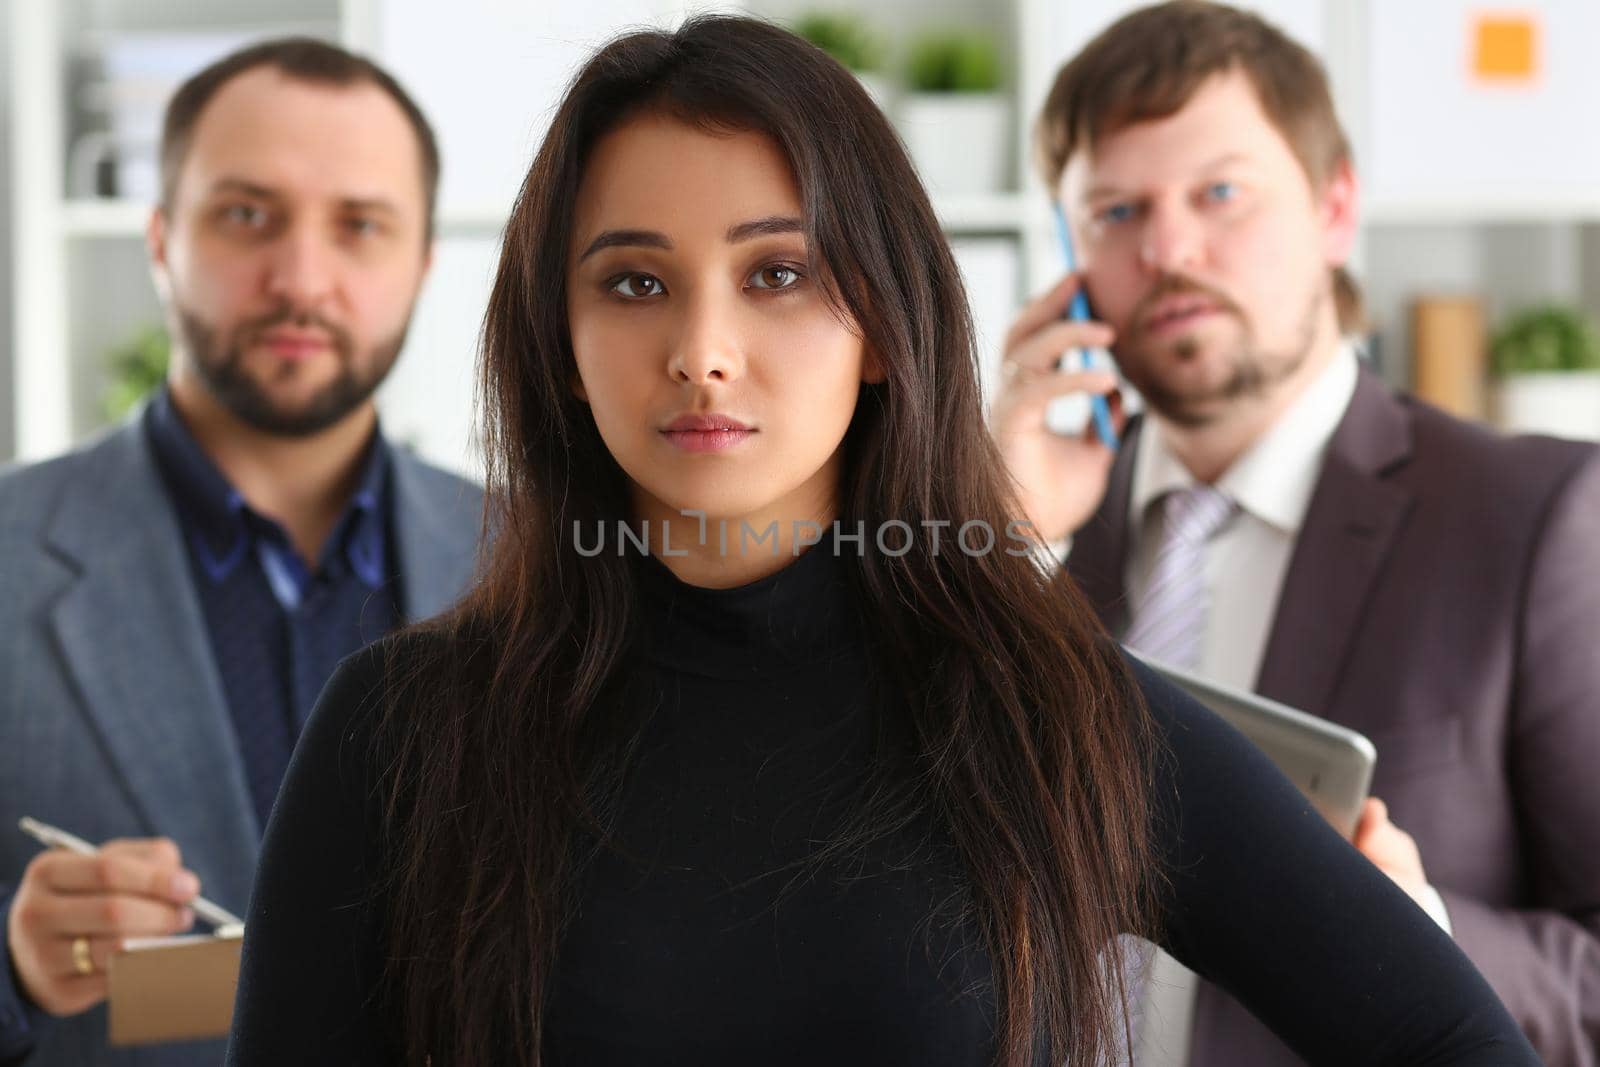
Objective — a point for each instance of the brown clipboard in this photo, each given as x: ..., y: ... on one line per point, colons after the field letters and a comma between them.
x: 173, y: 989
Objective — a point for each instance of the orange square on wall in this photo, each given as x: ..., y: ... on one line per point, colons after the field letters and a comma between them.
x: 1505, y: 47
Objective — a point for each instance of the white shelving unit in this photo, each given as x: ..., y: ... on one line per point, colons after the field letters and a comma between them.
x: 40, y: 390
x: 79, y: 284
x: 70, y: 243
x: 54, y: 234
x: 1510, y: 206
x: 103, y: 218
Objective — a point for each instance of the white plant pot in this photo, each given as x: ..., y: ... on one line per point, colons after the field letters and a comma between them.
x: 958, y: 141
x: 1559, y: 403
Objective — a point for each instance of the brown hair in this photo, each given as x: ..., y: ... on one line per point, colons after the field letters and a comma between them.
x: 1149, y: 63
x: 1033, y: 747
x: 304, y: 59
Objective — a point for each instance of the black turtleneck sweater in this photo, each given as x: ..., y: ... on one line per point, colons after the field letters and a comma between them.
x: 708, y: 932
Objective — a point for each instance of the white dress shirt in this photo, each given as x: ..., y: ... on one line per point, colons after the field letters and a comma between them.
x: 1246, y: 560
x: 1272, y: 483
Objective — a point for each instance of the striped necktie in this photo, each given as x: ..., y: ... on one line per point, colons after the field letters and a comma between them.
x: 1169, y: 625
x: 1170, y: 618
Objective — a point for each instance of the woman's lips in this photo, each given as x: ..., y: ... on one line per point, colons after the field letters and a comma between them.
x: 706, y: 433
x: 707, y: 440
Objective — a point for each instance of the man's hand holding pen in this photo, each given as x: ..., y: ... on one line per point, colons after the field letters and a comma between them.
x: 72, y: 911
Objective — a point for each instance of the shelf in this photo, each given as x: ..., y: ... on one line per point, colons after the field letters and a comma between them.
x: 985, y: 212
x: 971, y: 213
x: 480, y: 220
x: 1485, y: 207
x: 104, y: 218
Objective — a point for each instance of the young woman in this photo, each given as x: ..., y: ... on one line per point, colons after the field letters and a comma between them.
x: 833, y: 771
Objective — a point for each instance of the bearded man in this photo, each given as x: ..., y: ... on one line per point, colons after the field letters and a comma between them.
x: 175, y: 594
x: 1279, y: 520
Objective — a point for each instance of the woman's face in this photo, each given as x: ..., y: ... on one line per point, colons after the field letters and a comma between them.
x: 719, y: 377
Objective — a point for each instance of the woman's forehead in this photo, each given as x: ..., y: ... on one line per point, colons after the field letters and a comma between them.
x: 660, y: 173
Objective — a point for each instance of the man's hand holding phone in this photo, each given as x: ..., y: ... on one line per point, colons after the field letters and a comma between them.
x: 1060, y: 480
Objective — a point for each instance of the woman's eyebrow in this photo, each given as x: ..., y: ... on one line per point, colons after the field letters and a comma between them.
x: 772, y: 224
x: 743, y: 231
x: 626, y: 238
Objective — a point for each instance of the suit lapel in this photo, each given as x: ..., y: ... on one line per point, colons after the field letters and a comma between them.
x: 134, y: 642
x: 437, y: 521
x: 1349, y: 528
x: 1100, y: 549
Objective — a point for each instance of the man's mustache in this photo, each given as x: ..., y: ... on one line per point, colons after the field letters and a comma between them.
x: 300, y: 319
x: 1175, y: 285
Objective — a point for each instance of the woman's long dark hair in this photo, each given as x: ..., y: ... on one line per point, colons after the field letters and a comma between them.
x: 1033, y: 748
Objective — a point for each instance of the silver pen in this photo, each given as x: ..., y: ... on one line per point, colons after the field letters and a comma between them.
x: 55, y: 837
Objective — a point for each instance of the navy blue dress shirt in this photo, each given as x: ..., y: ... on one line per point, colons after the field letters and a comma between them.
x: 278, y: 626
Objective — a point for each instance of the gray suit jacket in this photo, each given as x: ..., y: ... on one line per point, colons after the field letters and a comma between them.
x: 1443, y: 598
x: 113, y: 721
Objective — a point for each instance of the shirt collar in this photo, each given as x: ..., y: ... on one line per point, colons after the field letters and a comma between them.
x: 220, y: 525
x: 1274, y: 479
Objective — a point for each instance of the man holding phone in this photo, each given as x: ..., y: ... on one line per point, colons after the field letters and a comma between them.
x: 1279, y: 521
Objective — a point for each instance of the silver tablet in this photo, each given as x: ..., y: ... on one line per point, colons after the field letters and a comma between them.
x: 1331, y: 764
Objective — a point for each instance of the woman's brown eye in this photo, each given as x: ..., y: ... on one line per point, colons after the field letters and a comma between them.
x: 776, y: 277
x: 637, y: 285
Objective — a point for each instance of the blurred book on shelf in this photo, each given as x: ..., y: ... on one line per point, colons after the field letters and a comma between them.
x: 1449, y: 345
x: 124, y: 79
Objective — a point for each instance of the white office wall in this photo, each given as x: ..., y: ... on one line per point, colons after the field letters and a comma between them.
x: 490, y: 72
x: 488, y: 76
x: 427, y: 401
x: 1439, y: 129
x: 1074, y: 22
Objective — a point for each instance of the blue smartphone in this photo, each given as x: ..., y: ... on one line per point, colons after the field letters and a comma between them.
x: 1078, y: 311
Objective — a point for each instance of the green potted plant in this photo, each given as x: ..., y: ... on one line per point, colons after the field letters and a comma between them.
x: 1546, y: 362
x: 955, y: 117
x: 848, y: 39
x: 133, y: 369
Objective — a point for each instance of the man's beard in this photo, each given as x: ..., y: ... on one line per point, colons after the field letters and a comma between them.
x: 219, y: 364
x: 1252, y: 373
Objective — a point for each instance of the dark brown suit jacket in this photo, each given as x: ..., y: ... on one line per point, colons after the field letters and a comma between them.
x: 1443, y: 598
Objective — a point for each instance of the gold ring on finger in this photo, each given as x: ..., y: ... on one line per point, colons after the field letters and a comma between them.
x: 82, y: 961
